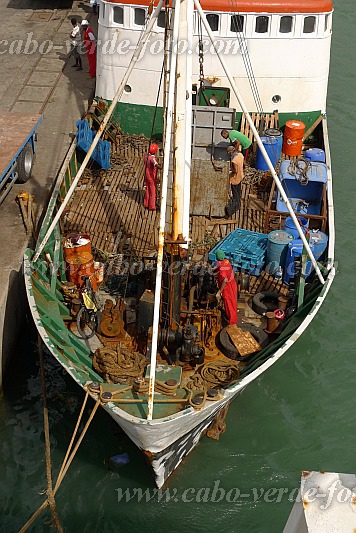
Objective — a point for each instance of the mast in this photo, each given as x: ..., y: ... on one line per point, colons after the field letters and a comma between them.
x: 162, y: 218
x: 183, y: 111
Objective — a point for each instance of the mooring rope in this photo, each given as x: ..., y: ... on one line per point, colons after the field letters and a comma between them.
x: 50, y: 494
x: 66, y: 463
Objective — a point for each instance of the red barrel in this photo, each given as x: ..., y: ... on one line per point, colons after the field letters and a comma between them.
x: 293, y: 137
x: 80, y: 265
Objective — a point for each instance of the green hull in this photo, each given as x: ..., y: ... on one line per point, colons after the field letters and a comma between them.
x: 148, y: 120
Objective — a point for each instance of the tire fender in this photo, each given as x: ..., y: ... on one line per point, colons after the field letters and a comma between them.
x: 266, y: 301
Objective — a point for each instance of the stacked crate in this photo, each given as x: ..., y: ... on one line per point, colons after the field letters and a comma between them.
x: 246, y: 250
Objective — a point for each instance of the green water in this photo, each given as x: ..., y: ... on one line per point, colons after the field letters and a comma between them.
x: 299, y: 415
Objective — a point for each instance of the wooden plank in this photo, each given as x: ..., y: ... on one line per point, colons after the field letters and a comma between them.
x: 312, y: 127
x: 245, y: 343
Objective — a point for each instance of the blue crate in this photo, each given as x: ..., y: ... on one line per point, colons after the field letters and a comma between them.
x: 246, y: 250
x: 85, y: 136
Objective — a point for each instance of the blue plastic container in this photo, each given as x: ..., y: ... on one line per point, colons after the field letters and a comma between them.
x: 273, y: 150
x: 317, y: 242
x: 278, y: 135
x: 246, y: 250
x: 315, y: 154
x: 277, y: 247
x: 290, y: 226
x: 320, y: 241
x: 305, y: 199
x: 295, y: 248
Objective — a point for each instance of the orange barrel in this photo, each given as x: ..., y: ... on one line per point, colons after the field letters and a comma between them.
x: 293, y: 137
x: 78, y: 266
x: 73, y: 246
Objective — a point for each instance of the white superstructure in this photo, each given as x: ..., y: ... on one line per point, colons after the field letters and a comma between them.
x: 289, y: 53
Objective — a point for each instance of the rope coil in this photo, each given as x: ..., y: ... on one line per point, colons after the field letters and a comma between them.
x: 118, y: 366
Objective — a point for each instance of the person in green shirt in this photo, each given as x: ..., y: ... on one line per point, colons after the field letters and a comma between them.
x: 238, y: 139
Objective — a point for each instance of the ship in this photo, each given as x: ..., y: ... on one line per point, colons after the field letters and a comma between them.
x: 155, y: 348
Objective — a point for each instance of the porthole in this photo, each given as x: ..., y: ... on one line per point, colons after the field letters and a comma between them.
x: 127, y: 89
x: 276, y: 98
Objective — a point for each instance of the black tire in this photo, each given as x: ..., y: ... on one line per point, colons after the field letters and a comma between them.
x: 25, y: 163
x: 87, y: 322
x: 231, y: 351
x: 263, y: 302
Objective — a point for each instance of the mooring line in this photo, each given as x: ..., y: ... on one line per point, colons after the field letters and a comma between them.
x: 50, y: 501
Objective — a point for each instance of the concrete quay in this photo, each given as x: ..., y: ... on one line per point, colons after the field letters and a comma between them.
x: 37, y: 77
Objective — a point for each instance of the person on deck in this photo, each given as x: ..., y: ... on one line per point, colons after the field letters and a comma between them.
x: 151, y: 169
x: 90, y: 46
x: 236, y: 177
x: 76, y: 40
x: 238, y: 140
x: 227, y: 286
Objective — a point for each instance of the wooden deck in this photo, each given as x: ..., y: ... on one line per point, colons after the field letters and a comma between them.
x: 108, y: 205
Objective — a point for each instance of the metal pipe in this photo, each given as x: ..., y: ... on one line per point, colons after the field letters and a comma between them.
x: 259, y: 142
x: 96, y: 139
x: 162, y: 218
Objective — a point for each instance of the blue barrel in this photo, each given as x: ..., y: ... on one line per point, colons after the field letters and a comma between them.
x: 278, y: 135
x: 315, y: 154
x: 295, y: 248
x: 277, y: 247
x: 320, y: 241
x: 317, y: 242
x: 290, y: 226
x: 273, y: 150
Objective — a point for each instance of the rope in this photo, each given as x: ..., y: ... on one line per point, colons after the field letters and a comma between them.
x: 66, y: 462
x: 50, y: 494
x: 141, y: 386
x: 299, y: 169
x: 214, y: 374
x: 118, y: 366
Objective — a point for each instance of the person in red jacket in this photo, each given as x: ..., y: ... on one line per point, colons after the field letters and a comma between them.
x: 151, y: 168
x: 90, y: 46
x: 227, y: 286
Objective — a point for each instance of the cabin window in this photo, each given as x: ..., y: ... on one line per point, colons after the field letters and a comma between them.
x: 326, y: 22
x: 161, y: 19
x: 262, y: 23
x: 237, y: 23
x: 286, y: 24
x: 213, y: 21
x: 140, y: 16
x: 309, y: 25
x: 118, y: 14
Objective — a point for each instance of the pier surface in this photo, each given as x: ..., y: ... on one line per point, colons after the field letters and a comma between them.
x: 37, y: 77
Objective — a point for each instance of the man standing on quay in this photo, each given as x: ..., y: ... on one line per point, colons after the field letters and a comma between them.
x: 76, y: 39
x: 90, y: 46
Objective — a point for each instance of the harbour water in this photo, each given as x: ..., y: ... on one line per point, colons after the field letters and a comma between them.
x: 299, y: 415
